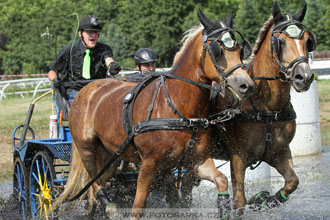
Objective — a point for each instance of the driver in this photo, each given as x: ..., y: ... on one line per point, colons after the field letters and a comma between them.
x: 82, y: 60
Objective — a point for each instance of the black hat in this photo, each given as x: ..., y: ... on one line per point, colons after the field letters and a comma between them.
x: 90, y: 22
x: 145, y: 55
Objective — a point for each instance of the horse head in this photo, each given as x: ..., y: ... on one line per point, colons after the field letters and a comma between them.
x: 222, y: 56
x: 290, y: 43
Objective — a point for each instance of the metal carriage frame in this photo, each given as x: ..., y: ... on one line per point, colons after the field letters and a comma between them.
x: 41, y: 167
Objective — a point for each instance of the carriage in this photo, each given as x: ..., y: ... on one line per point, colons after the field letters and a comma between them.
x: 40, y: 165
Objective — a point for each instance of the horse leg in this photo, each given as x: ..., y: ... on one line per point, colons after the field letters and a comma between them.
x: 209, y: 172
x: 237, y: 168
x: 106, y: 199
x: 284, y: 166
x: 147, y: 174
x: 90, y: 153
x: 188, y: 181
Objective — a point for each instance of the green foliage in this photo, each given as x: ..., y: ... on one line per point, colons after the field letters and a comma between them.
x: 34, y: 31
x: 252, y: 13
x: 318, y: 23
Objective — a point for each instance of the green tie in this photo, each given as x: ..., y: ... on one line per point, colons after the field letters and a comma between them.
x: 87, y: 65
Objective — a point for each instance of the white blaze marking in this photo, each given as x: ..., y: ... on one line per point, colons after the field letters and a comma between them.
x: 300, y: 50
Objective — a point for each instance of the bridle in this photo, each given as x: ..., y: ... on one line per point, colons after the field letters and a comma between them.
x: 210, y: 49
x: 275, y: 48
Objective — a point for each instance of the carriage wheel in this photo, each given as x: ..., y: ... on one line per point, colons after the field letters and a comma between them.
x: 20, y: 186
x: 42, y: 174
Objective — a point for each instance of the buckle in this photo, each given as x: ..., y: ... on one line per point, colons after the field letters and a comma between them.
x: 258, y: 117
x: 198, y: 122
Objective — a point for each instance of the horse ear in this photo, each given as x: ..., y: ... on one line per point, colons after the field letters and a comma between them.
x: 300, y: 16
x: 204, y: 20
x: 276, y: 10
x: 229, y: 20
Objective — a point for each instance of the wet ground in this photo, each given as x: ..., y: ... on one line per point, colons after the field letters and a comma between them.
x: 310, y: 201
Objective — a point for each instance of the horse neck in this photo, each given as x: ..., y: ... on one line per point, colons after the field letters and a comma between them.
x: 269, y: 94
x: 189, y: 66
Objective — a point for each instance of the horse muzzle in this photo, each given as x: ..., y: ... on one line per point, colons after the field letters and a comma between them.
x: 241, y: 85
x: 302, y: 77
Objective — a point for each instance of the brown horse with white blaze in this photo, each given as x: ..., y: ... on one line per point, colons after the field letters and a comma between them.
x: 266, y: 125
x: 99, y: 124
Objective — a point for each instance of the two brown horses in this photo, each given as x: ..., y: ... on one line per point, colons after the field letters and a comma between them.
x: 266, y: 126
x: 99, y: 126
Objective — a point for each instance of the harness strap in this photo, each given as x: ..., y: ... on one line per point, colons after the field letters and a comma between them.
x: 268, y: 117
x: 213, y: 97
x: 170, y: 124
x: 286, y: 114
x: 129, y: 100
x: 266, y: 78
x: 269, y: 138
x: 190, y: 146
x: 169, y: 75
x: 169, y: 102
x: 151, y: 106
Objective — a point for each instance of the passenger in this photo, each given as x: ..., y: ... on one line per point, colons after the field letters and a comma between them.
x: 86, y: 59
x: 145, y: 62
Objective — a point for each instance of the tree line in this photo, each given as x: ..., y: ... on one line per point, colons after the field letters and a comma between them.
x: 33, y: 31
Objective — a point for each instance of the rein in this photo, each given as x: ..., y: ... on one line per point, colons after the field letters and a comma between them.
x: 151, y: 124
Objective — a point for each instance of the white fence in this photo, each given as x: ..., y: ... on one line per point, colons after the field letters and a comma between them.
x: 36, y: 83
x: 32, y: 86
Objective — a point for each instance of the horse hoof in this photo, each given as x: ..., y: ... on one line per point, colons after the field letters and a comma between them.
x: 224, y: 205
x: 111, y: 210
x: 259, y: 200
x: 276, y: 200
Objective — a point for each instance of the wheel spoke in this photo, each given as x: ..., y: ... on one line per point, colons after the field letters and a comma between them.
x: 19, y: 186
x: 41, y: 177
x: 39, y: 174
x: 36, y: 178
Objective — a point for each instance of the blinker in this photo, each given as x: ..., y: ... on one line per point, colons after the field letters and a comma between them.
x: 227, y: 41
x: 293, y: 31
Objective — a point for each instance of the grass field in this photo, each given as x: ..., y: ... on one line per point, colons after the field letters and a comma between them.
x: 13, y: 112
x: 324, y: 102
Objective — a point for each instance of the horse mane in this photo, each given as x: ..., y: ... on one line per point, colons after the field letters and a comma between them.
x: 186, y: 39
x: 262, y: 36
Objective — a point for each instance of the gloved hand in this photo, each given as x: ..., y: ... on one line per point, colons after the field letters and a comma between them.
x: 56, y: 83
x: 114, y: 68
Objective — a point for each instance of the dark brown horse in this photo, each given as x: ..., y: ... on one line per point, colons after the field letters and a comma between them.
x: 99, y: 126
x: 266, y: 126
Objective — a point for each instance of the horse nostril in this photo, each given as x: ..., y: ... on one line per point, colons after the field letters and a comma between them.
x: 298, y: 77
x: 243, y: 88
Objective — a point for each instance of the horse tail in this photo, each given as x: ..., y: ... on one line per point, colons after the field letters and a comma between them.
x: 76, y: 181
